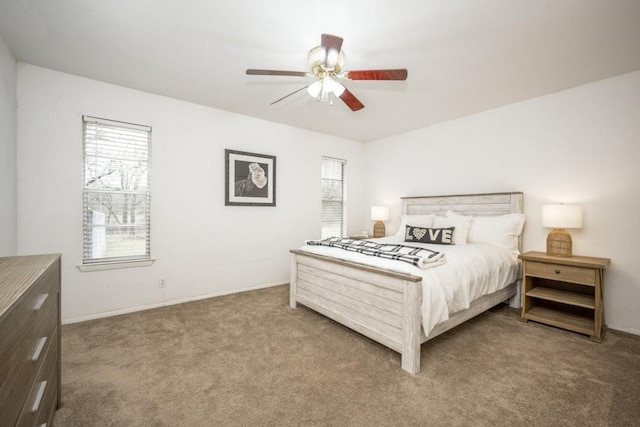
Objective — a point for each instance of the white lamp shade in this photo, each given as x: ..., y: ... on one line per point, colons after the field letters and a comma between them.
x: 379, y: 213
x: 562, y: 216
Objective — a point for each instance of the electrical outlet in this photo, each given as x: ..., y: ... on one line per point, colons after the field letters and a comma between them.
x: 163, y: 282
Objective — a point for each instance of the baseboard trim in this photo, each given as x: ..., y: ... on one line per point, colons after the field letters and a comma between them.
x: 630, y: 333
x: 166, y: 303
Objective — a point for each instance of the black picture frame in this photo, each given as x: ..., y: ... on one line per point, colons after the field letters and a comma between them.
x: 250, y: 179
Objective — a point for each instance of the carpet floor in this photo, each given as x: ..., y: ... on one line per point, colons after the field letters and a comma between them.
x: 249, y: 360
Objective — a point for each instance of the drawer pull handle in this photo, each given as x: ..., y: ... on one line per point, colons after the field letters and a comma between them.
x: 36, y: 354
x: 557, y: 271
x: 36, y: 403
x: 40, y: 301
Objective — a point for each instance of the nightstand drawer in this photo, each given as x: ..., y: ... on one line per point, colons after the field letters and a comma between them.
x: 565, y: 273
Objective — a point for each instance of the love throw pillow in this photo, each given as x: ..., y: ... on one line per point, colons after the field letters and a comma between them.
x: 439, y: 236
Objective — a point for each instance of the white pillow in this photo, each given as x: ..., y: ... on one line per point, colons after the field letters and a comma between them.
x: 500, y: 231
x: 460, y: 222
x: 422, y: 221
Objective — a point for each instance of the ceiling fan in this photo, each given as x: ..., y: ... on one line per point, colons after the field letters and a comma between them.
x: 326, y: 62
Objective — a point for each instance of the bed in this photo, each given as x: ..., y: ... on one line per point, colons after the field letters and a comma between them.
x: 386, y: 305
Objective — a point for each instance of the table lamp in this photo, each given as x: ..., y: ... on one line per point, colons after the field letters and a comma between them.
x: 560, y: 217
x: 379, y: 214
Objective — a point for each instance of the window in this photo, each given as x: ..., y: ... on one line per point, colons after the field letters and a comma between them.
x: 116, y: 191
x: 333, y: 197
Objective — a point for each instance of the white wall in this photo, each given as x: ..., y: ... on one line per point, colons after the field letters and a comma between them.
x: 576, y: 146
x: 7, y: 151
x: 201, y: 246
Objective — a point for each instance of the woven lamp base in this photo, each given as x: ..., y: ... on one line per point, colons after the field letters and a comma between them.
x: 378, y: 229
x: 559, y: 243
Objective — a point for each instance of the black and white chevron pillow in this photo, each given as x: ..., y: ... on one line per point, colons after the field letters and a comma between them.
x: 439, y: 236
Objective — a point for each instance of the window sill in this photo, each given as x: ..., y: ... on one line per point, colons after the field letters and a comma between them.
x: 115, y: 265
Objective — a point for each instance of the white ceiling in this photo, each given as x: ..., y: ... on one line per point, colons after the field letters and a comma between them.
x: 463, y: 56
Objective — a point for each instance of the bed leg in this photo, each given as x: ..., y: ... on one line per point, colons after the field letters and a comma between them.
x: 411, y: 300
x: 516, y: 300
x: 293, y: 282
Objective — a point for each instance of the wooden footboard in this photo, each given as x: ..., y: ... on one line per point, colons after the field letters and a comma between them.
x: 380, y: 304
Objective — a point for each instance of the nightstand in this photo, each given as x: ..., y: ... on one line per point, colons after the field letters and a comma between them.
x: 564, y: 292
x: 360, y: 237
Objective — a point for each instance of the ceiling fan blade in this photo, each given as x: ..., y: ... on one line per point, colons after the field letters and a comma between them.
x: 254, y: 72
x: 286, y: 96
x: 399, y: 74
x: 332, y: 46
x: 351, y: 100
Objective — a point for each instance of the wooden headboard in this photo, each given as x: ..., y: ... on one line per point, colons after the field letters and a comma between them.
x: 485, y: 204
x: 464, y: 204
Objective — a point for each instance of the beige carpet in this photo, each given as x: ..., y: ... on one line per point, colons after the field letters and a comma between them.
x: 248, y: 359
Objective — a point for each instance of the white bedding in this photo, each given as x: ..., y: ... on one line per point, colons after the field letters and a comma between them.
x: 470, y: 271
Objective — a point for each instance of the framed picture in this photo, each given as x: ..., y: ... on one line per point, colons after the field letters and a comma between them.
x: 250, y: 179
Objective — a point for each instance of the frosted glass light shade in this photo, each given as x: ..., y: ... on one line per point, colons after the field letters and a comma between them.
x: 379, y: 213
x: 333, y: 86
x: 314, y: 89
x: 562, y: 216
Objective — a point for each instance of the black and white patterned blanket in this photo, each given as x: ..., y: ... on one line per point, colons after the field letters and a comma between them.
x: 420, y: 257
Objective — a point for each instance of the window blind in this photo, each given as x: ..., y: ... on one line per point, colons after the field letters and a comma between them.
x: 333, y: 198
x: 116, y: 225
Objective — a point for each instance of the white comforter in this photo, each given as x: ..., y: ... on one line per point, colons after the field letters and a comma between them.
x: 470, y: 271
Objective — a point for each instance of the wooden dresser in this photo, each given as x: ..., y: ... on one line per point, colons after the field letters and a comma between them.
x: 29, y: 339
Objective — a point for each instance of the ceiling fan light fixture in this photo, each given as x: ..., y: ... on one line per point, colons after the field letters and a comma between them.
x: 322, y: 89
x: 326, y: 66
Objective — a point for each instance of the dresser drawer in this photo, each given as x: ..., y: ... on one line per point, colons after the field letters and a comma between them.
x: 44, y: 324
x: 565, y: 273
x: 37, y: 407
x: 50, y: 402
x: 27, y: 332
